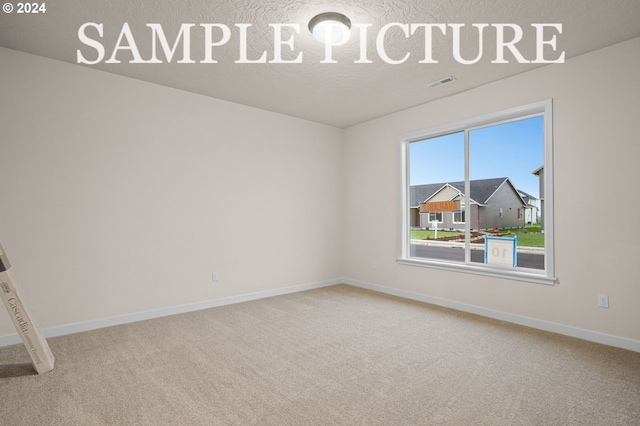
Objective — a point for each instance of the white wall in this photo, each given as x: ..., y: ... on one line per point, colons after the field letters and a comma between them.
x: 596, y: 108
x: 118, y: 196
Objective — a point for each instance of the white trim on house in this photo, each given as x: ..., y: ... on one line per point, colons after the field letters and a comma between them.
x: 436, y: 217
x: 453, y: 216
x: 512, y: 187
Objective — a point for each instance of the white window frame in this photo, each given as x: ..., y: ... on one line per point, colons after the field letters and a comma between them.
x: 544, y: 276
x: 436, y: 217
x: 453, y: 216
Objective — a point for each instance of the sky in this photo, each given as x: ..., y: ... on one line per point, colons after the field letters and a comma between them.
x: 512, y: 150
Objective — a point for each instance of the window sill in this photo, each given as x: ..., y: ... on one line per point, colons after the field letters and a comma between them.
x: 481, y: 269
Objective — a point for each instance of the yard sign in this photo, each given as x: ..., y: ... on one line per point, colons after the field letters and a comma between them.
x: 500, y: 251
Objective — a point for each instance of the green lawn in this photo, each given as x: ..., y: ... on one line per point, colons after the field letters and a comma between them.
x: 528, y: 228
x: 423, y: 234
x: 530, y: 236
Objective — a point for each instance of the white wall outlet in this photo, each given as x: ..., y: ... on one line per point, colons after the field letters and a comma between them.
x: 374, y: 265
x: 603, y: 300
x: 215, y: 277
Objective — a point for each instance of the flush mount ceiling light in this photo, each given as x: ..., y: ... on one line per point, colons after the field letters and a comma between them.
x: 445, y: 80
x: 330, y: 26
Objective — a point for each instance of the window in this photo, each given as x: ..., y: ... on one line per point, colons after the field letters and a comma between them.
x: 435, y: 217
x: 458, y: 217
x: 477, y: 178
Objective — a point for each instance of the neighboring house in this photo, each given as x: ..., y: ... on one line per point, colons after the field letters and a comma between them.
x: 493, y: 203
x: 540, y: 173
x: 531, y: 209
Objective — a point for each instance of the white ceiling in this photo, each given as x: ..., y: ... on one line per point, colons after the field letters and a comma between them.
x: 340, y: 94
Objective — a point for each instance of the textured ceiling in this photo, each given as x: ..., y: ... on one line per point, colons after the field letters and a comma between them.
x: 339, y: 94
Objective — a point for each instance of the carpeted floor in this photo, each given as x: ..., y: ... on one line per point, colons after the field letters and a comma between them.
x: 332, y: 356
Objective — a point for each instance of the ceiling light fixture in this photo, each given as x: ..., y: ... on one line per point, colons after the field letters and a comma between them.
x: 330, y: 27
x: 445, y: 80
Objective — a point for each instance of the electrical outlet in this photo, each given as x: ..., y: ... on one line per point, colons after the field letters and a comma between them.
x: 603, y: 300
x: 374, y: 265
x: 215, y: 277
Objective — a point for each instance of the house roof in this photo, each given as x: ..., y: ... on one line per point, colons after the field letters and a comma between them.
x: 527, y: 198
x: 525, y: 195
x: 480, y: 190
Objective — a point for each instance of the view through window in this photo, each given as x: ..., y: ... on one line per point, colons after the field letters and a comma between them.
x: 475, y: 194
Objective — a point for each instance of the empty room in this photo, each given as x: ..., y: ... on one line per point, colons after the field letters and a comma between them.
x: 319, y: 212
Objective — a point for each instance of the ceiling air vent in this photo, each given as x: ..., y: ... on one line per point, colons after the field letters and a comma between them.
x: 445, y: 80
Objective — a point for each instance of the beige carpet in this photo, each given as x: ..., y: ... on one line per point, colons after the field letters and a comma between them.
x: 333, y: 356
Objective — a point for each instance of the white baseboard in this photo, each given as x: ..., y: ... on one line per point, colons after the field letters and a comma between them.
x: 592, y: 336
x: 13, y: 339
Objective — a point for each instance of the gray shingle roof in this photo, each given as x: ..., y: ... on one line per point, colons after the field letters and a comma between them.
x: 527, y: 198
x: 481, y: 190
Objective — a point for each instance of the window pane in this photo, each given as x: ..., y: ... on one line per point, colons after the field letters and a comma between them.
x: 436, y: 184
x: 479, y: 183
x: 505, y: 192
